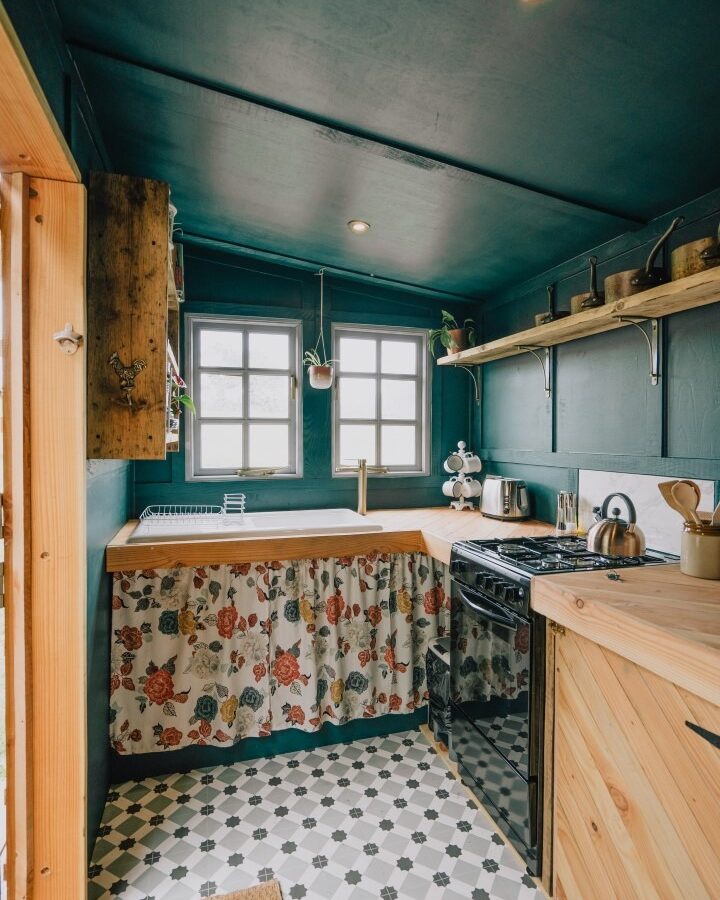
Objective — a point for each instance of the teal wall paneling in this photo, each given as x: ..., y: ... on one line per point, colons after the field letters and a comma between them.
x: 230, y: 285
x: 604, y: 412
x: 108, y: 499
x: 289, y: 740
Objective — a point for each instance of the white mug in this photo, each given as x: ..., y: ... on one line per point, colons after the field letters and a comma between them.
x: 470, y: 487
x: 471, y: 463
x: 454, y: 463
x: 452, y: 488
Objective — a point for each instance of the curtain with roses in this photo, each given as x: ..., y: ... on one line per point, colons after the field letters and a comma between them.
x: 209, y: 656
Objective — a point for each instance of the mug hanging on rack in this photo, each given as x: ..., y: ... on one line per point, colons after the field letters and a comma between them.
x: 453, y: 488
x: 470, y: 487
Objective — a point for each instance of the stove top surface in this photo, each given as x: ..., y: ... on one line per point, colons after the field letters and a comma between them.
x: 555, y: 554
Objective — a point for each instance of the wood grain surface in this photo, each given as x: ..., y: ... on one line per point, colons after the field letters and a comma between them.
x: 655, y: 616
x: 429, y: 530
x: 30, y: 138
x: 127, y: 314
x: 637, y: 792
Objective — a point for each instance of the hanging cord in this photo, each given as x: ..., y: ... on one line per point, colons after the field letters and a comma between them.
x: 321, y: 337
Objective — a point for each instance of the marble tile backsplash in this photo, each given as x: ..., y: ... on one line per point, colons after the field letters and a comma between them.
x: 661, y: 526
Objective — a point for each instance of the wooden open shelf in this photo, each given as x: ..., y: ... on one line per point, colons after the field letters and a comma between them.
x: 673, y: 297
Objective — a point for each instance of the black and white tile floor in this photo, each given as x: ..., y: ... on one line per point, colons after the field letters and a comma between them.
x: 378, y: 818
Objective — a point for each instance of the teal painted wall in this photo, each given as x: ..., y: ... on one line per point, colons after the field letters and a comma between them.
x: 230, y: 285
x: 108, y: 500
x: 604, y: 413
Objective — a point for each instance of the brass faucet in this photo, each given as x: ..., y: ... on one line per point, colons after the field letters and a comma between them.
x: 362, y: 468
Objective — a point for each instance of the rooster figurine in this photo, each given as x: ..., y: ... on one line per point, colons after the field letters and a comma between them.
x: 127, y: 376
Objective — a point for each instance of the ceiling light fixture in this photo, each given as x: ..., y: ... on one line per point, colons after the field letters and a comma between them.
x: 357, y: 226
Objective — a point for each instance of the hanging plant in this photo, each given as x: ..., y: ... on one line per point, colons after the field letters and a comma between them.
x: 320, y: 369
x: 180, y: 397
x: 451, y: 335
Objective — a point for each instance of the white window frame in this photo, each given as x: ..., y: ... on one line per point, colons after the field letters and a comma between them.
x: 194, y: 324
x: 423, y: 393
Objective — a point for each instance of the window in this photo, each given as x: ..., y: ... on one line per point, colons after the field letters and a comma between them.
x: 381, y: 398
x: 243, y: 380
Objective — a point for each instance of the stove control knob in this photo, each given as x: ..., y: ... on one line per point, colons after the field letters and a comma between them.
x: 480, y: 580
x: 457, y: 567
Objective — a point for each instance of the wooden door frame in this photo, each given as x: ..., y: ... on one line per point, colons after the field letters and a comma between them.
x: 42, y: 210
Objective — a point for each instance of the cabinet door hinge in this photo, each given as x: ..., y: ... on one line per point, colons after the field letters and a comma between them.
x: 557, y: 629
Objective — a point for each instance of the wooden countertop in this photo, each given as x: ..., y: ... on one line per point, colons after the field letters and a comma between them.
x: 654, y: 616
x: 428, y: 530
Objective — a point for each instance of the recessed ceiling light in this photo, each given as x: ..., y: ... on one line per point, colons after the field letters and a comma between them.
x: 357, y: 226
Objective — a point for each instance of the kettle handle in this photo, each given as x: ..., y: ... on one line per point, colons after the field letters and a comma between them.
x: 632, y: 515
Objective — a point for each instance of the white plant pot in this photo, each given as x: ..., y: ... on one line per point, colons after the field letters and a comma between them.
x: 321, y: 377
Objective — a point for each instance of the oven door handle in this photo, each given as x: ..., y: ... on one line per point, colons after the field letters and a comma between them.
x: 491, y: 614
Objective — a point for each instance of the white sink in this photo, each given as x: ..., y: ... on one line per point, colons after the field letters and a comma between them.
x: 278, y: 524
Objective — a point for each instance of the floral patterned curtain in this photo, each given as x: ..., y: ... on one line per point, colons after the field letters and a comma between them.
x: 211, y: 655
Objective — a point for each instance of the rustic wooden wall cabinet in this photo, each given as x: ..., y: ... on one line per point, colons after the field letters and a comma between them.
x: 131, y: 295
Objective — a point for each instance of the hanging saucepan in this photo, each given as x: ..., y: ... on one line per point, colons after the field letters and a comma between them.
x: 633, y: 281
x: 696, y: 256
x: 551, y: 313
x: 591, y: 298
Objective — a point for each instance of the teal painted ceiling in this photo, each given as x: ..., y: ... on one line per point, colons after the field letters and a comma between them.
x: 485, y: 140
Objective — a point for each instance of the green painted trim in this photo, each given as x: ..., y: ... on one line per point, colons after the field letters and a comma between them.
x: 243, y: 250
x: 639, y: 465
x: 289, y: 740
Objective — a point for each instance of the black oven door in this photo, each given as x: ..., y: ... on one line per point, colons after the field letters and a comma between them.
x: 490, y: 670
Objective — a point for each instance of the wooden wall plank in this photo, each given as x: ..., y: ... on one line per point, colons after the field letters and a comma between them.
x: 14, y: 215
x: 30, y: 138
x: 127, y: 314
x: 57, y: 518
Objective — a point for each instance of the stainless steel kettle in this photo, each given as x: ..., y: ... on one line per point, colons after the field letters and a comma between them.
x: 615, y: 536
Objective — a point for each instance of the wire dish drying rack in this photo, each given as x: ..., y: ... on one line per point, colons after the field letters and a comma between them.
x: 192, y: 515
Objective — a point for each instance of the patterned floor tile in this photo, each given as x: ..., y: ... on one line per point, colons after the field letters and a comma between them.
x: 377, y: 819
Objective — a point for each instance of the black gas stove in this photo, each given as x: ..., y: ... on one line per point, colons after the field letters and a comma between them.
x: 497, y: 671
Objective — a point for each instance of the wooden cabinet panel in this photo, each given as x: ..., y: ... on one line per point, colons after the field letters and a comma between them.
x: 128, y: 268
x: 636, y: 792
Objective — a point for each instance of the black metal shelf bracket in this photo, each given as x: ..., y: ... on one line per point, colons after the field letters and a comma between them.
x: 473, y: 373
x: 653, y: 341
x: 544, y: 363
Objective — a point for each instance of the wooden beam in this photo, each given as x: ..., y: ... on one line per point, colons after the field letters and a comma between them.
x: 56, y: 282
x: 14, y: 216
x: 30, y: 139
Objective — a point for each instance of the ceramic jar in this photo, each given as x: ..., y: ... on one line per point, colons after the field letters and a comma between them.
x: 700, y: 550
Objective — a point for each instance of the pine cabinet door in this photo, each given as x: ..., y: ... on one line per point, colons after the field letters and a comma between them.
x: 637, y: 791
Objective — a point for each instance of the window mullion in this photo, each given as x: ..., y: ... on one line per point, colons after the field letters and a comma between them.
x: 246, y: 401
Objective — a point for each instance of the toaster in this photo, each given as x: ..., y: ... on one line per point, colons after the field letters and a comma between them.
x: 505, y: 498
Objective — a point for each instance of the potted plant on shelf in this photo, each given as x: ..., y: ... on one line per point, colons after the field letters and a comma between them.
x: 451, y: 335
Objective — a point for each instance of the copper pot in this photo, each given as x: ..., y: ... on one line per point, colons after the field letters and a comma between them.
x: 695, y: 256
x: 592, y: 298
x: 634, y: 281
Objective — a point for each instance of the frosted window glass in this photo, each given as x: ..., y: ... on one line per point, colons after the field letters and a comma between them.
x: 398, y: 357
x: 221, y: 445
x: 357, y: 398
x: 269, y: 445
x: 397, y: 445
x: 269, y: 397
x: 357, y: 355
x: 220, y: 348
x: 220, y: 396
x: 357, y: 442
x: 268, y: 350
x: 397, y: 399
